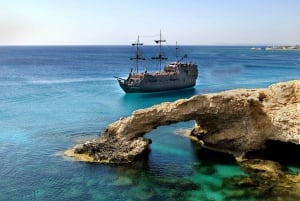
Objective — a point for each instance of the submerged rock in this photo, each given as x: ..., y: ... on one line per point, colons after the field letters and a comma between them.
x: 235, y: 122
x: 265, y: 180
x: 270, y: 180
x: 122, y: 181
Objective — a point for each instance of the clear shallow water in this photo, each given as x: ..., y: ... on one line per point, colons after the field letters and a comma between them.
x: 55, y: 97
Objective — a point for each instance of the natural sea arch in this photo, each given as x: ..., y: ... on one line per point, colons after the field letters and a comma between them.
x: 235, y: 122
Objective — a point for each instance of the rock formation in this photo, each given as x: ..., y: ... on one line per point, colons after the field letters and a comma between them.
x: 235, y: 121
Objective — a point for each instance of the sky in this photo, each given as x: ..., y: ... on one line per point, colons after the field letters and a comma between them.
x: 119, y: 22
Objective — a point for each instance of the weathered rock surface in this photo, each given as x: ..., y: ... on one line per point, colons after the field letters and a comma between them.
x: 235, y: 121
x: 111, y: 150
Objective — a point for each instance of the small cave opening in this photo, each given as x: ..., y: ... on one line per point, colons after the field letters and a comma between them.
x: 283, y: 152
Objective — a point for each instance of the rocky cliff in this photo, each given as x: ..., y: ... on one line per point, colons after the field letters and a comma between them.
x: 235, y: 121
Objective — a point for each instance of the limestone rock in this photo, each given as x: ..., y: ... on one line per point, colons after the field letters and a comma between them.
x: 235, y: 121
x: 110, y: 150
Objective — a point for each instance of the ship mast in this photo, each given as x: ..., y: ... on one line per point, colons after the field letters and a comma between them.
x: 184, y: 56
x: 176, y: 52
x: 138, y: 56
x: 160, y: 56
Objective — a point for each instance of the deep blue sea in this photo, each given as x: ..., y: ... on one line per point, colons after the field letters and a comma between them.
x: 52, y: 98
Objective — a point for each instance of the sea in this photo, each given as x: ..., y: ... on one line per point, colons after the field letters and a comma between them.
x: 54, y: 97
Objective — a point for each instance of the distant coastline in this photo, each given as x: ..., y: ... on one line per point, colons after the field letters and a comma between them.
x: 281, y: 47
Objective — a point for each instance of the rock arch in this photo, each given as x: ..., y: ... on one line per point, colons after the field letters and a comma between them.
x: 235, y: 121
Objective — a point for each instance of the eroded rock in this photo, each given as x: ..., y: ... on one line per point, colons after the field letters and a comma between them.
x: 235, y: 121
x: 110, y: 150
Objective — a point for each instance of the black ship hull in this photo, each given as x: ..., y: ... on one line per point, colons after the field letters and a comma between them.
x: 143, y: 89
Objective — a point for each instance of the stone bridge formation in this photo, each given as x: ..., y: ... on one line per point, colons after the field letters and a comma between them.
x: 235, y: 121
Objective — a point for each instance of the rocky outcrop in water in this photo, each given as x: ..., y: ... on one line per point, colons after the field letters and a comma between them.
x: 235, y: 122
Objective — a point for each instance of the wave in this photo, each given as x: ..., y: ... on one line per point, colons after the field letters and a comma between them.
x: 9, y: 84
x: 65, y: 81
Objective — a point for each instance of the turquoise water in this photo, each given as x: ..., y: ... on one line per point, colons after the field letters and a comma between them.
x: 55, y: 97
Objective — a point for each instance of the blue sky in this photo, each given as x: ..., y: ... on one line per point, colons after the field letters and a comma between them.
x: 192, y: 22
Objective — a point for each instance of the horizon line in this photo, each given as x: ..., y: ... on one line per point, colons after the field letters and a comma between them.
x: 215, y: 44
